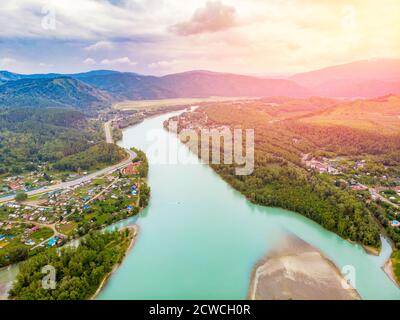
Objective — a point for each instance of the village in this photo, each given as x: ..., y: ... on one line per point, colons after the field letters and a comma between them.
x: 354, y: 174
x: 36, y: 179
x: 53, y: 218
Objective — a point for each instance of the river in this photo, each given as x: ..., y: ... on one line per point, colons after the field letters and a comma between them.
x: 199, y: 238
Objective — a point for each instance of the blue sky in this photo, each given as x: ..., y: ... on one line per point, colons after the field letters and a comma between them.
x: 166, y: 36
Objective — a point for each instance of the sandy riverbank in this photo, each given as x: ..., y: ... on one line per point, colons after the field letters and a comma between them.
x: 298, y: 271
x: 388, y: 268
x: 134, y: 230
x: 371, y: 250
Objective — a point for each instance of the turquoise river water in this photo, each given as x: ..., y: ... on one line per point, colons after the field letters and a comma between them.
x: 199, y: 238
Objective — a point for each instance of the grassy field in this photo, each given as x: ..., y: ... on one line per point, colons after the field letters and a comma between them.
x: 144, y: 104
x: 381, y: 115
x: 67, y: 228
x: 41, y: 234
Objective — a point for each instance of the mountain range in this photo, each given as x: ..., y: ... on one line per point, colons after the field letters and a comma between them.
x: 100, y: 88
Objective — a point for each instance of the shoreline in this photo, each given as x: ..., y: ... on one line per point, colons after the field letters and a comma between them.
x: 134, y: 229
x: 388, y: 269
x: 371, y: 250
x: 298, y: 271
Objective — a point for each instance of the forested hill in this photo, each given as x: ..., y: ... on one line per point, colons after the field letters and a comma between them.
x: 280, y: 179
x: 53, y: 92
x: 31, y: 136
x: 97, y: 89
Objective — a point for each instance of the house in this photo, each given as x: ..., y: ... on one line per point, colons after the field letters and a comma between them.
x: 52, y: 242
x: 30, y: 243
x: 131, y: 169
x: 33, y: 229
x: 15, y: 186
x: 395, y: 223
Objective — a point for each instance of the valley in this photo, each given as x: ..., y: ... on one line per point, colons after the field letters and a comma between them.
x: 345, y: 177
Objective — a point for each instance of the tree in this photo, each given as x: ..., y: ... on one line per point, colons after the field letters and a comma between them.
x: 21, y: 196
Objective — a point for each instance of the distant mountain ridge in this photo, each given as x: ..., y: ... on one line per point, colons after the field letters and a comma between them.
x: 100, y: 88
x: 360, y: 79
x: 52, y: 92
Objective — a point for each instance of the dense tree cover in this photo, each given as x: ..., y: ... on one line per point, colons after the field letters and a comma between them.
x: 343, y: 140
x: 30, y: 136
x: 280, y: 180
x: 144, y: 198
x: 61, y: 92
x: 21, y: 196
x: 281, y: 184
x: 380, y: 213
x: 95, y: 157
x: 13, y: 254
x: 143, y: 168
x: 79, y: 271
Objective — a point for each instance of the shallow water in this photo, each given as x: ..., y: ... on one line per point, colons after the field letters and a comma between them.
x: 7, y: 276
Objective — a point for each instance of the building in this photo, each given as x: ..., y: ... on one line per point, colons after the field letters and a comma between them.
x: 131, y: 169
x: 395, y: 223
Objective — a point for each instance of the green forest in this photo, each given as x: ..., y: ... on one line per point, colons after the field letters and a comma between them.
x: 278, y: 183
x: 79, y: 271
x: 31, y: 136
x: 141, y: 157
x: 64, y: 139
x: 280, y: 180
x: 100, y: 155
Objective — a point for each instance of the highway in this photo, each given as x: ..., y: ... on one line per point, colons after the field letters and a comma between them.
x: 63, y: 185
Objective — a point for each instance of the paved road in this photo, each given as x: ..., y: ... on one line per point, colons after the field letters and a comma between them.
x: 64, y: 185
x: 108, y: 132
x: 375, y: 193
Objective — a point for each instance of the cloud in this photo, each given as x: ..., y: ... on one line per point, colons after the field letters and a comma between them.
x: 214, y: 17
x: 100, y: 45
x: 260, y: 36
x: 46, y: 65
x: 123, y: 60
x: 163, y: 64
x: 7, y: 61
x: 89, y: 61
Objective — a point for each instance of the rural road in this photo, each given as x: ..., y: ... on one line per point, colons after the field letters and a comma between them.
x: 68, y: 184
x: 382, y: 198
x: 107, y: 130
